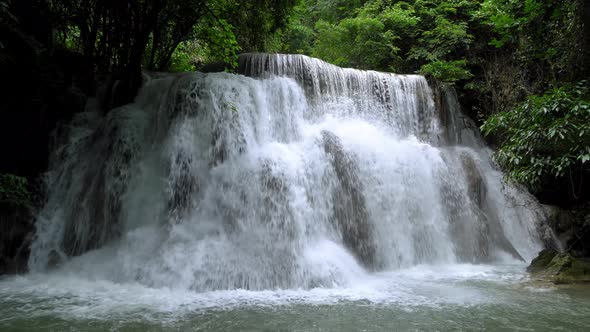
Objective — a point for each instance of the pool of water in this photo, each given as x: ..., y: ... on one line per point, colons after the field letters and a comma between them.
x: 423, y: 298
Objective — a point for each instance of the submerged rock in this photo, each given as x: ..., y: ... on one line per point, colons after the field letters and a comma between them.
x: 560, y: 268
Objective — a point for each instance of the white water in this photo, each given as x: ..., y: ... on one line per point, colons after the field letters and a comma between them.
x: 306, y: 176
x: 69, y: 296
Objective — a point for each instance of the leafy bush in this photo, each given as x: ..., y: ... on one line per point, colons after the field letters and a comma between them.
x: 13, y: 190
x: 355, y: 42
x: 447, y: 71
x: 185, y: 57
x: 398, y: 36
x: 370, y: 39
x: 547, y: 136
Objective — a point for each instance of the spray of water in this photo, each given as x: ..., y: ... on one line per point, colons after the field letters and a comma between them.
x: 296, y: 174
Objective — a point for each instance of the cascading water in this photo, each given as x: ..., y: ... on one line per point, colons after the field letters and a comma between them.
x: 299, y: 174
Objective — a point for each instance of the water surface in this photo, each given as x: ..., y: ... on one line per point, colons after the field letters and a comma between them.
x: 424, y: 298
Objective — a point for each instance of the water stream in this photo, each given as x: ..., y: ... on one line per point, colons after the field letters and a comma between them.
x: 295, y: 196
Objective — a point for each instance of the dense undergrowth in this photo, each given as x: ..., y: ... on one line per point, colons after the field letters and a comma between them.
x: 546, y: 137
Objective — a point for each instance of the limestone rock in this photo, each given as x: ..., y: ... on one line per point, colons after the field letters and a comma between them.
x: 560, y: 268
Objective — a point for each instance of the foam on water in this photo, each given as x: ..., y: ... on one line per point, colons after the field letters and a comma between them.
x: 67, y: 295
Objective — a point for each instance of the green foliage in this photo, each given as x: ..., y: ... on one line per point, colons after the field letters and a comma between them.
x: 536, y: 30
x: 298, y: 35
x: 158, y: 35
x: 400, y: 36
x: 547, y: 136
x: 14, y: 191
x: 331, y: 11
x: 221, y: 43
x: 444, y: 32
x: 296, y: 39
x: 509, y: 18
x: 256, y: 22
x: 333, y: 43
x: 186, y: 57
x: 432, y: 36
x: 499, y: 15
x: 371, y: 39
x: 447, y: 71
x: 359, y: 42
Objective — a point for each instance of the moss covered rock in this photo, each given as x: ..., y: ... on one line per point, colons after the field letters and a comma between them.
x: 560, y: 268
x: 541, y: 262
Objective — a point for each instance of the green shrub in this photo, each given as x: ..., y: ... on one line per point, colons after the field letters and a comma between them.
x: 547, y: 136
x: 14, y: 190
x: 447, y: 71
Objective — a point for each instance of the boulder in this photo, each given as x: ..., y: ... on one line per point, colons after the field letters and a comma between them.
x: 560, y: 268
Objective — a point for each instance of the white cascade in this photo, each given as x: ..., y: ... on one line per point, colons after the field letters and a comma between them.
x: 299, y: 174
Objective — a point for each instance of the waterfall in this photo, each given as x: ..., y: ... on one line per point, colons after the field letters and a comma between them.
x: 294, y: 174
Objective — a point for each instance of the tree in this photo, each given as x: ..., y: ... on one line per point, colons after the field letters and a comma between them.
x: 547, y: 139
x: 122, y: 37
x: 374, y: 38
x: 402, y: 36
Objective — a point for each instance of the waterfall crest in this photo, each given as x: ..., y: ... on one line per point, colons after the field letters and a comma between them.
x: 296, y: 174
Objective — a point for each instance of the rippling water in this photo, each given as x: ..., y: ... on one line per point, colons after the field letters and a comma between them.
x: 423, y: 298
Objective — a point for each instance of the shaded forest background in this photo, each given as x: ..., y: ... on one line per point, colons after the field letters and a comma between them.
x: 521, y: 69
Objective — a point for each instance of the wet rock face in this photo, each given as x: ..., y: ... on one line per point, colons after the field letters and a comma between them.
x: 475, y: 182
x: 490, y: 233
x: 567, y: 229
x: 95, y: 216
x: 182, y: 187
x: 459, y: 128
x: 560, y: 268
x: 16, y: 236
x: 561, y: 222
x: 350, y: 211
